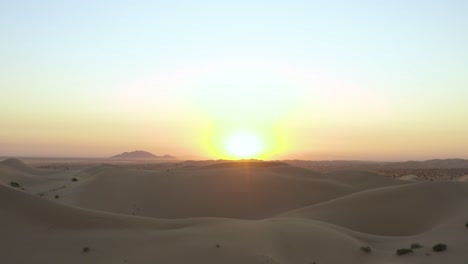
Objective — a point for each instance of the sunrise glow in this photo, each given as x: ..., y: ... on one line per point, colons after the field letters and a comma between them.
x: 244, y: 145
x: 304, y: 79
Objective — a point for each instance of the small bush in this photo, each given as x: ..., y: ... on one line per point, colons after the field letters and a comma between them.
x: 439, y: 247
x: 74, y: 179
x: 15, y: 185
x: 415, y: 246
x: 466, y: 225
x: 86, y: 249
x: 57, y: 196
x: 366, y: 249
x: 403, y: 251
x: 218, y: 245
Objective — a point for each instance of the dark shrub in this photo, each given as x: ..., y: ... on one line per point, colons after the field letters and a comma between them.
x: 57, y: 196
x: 439, y: 247
x: 86, y: 249
x: 15, y: 184
x: 74, y: 179
x: 403, y: 251
x: 466, y: 225
x: 366, y: 249
x: 415, y: 245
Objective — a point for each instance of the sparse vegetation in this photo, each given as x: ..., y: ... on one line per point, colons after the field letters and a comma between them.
x: 15, y: 185
x: 366, y: 249
x: 403, y: 251
x: 439, y: 247
x: 415, y: 246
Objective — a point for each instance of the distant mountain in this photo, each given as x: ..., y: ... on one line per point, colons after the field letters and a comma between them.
x: 140, y: 154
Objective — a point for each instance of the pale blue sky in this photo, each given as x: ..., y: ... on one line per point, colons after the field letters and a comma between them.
x: 73, y: 57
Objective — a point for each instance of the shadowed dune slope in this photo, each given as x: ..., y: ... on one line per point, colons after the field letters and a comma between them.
x: 393, y: 211
x: 51, y: 233
x: 232, y: 192
x: 22, y: 208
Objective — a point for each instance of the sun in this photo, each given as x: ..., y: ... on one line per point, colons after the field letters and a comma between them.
x: 227, y: 141
x: 244, y: 145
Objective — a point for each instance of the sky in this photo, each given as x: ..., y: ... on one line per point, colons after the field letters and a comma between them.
x: 372, y: 80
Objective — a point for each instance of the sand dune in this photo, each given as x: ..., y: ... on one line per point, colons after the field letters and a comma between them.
x: 393, y: 211
x: 50, y: 231
x: 31, y: 179
x: 300, y: 216
x: 245, y: 192
x: 233, y: 192
x: 18, y: 165
x: 40, y: 181
x: 15, y: 170
x: 410, y: 177
x: 463, y: 178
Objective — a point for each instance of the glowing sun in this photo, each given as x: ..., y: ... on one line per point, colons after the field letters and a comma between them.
x: 244, y: 145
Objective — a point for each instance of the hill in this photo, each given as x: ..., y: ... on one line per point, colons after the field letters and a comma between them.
x: 140, y: 154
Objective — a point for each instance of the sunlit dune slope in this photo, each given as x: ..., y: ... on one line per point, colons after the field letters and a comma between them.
x: 31, y: 179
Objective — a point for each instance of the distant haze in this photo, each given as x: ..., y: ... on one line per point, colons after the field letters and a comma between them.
x: 373, y: 80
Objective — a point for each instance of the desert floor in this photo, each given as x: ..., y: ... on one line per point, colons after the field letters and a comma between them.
x: 225, y: 212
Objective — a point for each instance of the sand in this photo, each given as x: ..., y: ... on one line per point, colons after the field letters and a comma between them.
x: 225, y: 212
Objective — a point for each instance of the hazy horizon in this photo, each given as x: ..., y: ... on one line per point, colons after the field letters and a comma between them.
x: 318, y: 80
x: 200, y: 158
